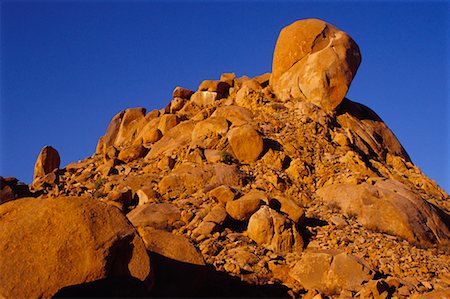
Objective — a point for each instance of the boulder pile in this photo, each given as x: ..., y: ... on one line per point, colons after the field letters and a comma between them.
x: 272, y: 186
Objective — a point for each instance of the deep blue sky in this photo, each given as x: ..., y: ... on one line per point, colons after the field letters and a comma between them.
x: 68, y: 67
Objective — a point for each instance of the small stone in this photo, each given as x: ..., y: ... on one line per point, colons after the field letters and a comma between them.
x: 166, y: 162
x: 243, y: 208
x: 222, y: 194
x: 181, y: 92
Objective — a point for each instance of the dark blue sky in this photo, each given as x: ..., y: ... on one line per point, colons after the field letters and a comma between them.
x: 68, y: 67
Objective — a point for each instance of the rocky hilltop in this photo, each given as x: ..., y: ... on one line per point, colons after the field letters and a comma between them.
x: 273, y: 186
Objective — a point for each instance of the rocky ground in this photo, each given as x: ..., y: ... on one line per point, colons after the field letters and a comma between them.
x: 242, y: 189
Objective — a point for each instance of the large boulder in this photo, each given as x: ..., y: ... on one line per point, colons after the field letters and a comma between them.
x: 173, y: 140
x: 123, y: 128
x: 47, y: 161
x: 274, y: 231
x: 389, y: 206
x: 246, y: 143
x: 51, y: 243
x: 156, y: 215
x: 314, y: 61
x: 172, y: 246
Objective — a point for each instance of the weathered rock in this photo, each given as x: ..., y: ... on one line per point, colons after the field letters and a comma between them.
x: 156, y: 215
x: 177, y: 137
x: 438, y: 294
x: 243, y: 208
x: 167, y: 122
x: 274, y: 231
x: 314, y: 61
x: 391, y: 207
x: 129, y: 126
x: 132, y: 152
x: 246, y: 143
x: 207, y: 133
x: 217, y: 215
x: 263, y: 79
x: 228, y: 78
x: 47, y: 161
x: 238, y: 116
x: 176, y: 104
x: 289, y: 207
x: 124, y: 197
x: 364, y: 123
x: 146, y: 195
x: 189, y: 178
x: 221, y: 88
x: 113, y: 129
x: 11, y: 188
x: 331, y: 272
x: 222, y: 194
x: 181, y: 92
x: 172, y: 246
x: 68, y: 241
x: 205, y: 228
x: 204, y: 98
x: 213, y: 156
x: 151, y: 136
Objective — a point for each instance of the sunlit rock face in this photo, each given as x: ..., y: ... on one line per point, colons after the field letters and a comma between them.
x: 314, y: 61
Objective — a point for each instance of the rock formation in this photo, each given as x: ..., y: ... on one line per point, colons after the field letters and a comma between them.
x: 314, y: 61
x: 273, y: 186
x: 47, y: 161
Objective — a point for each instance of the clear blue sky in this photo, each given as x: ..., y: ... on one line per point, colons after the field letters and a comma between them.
x: 68, y: 67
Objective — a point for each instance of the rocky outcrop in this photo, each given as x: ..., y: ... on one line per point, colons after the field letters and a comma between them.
x: 47, y: 161
x: 11, y: 188
x: 391, y: 207
x: 314, y: 61
x: 251, y: 189
x: 69, y: 240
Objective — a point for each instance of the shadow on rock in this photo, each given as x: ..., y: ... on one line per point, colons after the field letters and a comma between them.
x: 182, y: 280
x: 111, y: 287
x: 174, y: 279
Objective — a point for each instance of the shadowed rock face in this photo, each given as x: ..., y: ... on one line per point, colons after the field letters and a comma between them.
x: 51, y: 243
x: 314, y: 61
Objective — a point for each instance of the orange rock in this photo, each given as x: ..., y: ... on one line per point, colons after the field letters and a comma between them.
x: 246, y: 143
x: 181, y: 92
x: 167, y: 122
x: 243, y: 208
x: 274, y: 231
x: 389, y: 206
x: 314, y: 61
x: 47, y: 161
x: 68, y: 241
x: 371, y: 129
